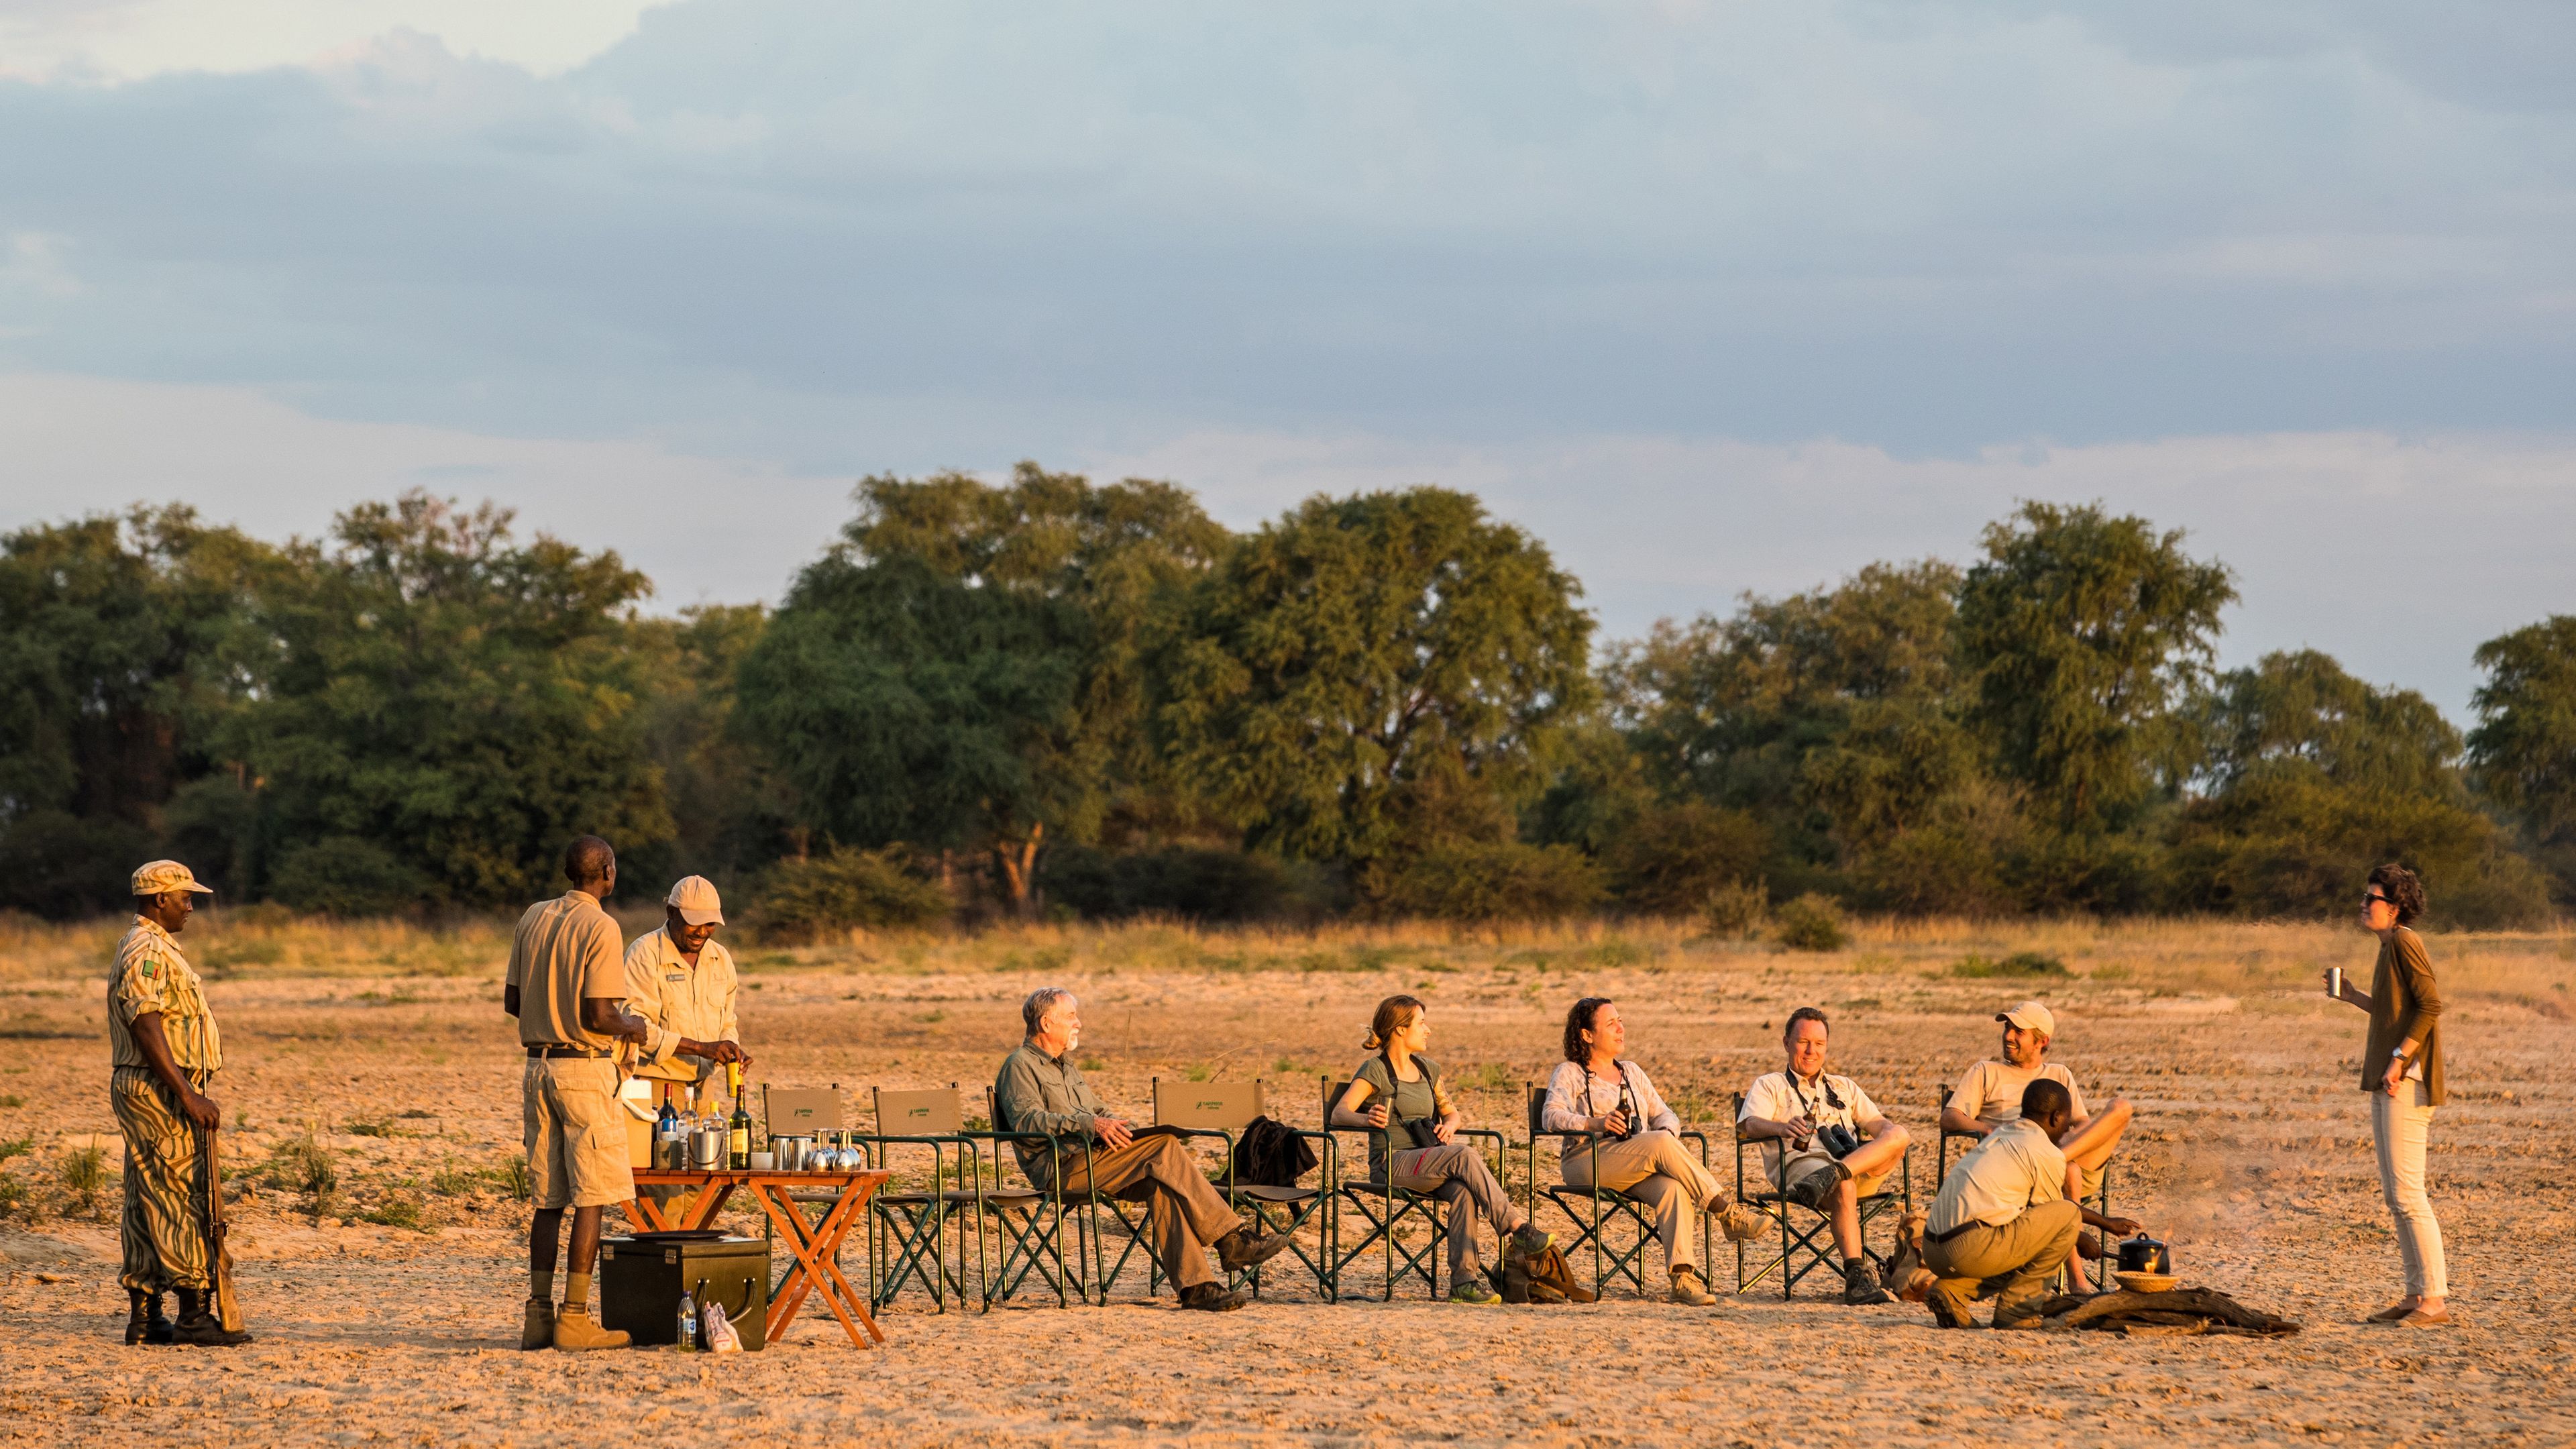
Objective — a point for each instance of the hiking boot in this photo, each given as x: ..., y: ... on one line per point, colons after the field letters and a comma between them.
x: 1212, y: 1298
x: 199, y: 1327
x: 537, y: 1325
x: 2021, y: 1312
x: 1816, y: 1189
x: 576, y: 1330
x: 1861, y: 1287
x: 1239, y: 1250
x: 144, y: 1322
x: 1527, y: 1243
x: 1953, y: 1302
x: 1687, y: 1288
x: 1474, y: 1290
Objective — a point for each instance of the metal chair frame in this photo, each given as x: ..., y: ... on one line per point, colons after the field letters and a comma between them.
x: 1803, y: 1252
x: 1941, y: 1170
x: 1300, y: 1205
x: 1029, y: 1221
x: 1608, y: 1262
x: 908, y: 1230
x: 1401, y: 1206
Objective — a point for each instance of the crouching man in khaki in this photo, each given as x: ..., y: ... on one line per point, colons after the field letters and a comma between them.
x: 567, y: 987
x: 2003, y: 1223
x: 1041, y: 1090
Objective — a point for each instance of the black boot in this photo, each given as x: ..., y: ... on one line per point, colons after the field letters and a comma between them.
x: 199, y: 1327
x: 143, y: 1321
x: 1861, y: 1286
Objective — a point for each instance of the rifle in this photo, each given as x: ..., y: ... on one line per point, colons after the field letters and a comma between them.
x: 219, y: 1253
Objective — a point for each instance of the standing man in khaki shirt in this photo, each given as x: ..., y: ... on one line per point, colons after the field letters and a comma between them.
x: 567, y: 987
x: 163, y: 1052
x: 681, y: 981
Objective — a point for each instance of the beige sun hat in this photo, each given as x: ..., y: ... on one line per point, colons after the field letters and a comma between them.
x: 2030, y: 1016
x: 696, y: 900
x: 163, y: 876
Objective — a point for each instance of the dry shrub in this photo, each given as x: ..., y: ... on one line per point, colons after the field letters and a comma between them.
x: 1812, y: 922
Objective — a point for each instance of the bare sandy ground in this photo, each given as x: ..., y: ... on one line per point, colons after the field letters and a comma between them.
x: 2251, y: 1155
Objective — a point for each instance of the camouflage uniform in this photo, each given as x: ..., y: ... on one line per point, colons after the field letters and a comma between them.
x: 162, y: 1234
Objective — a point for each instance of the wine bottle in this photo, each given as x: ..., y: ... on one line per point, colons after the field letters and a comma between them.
x: 740, y: 1153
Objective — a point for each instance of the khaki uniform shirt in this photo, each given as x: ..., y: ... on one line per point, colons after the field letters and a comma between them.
x: 152, y: 974
x: 566, y: 949
x: 2015, y: 1167
x: 1991, y: 1091
x: 685, y: 1001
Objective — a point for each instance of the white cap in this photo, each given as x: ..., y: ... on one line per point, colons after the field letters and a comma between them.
x: 2030, y: 1016
x: 695, y: 899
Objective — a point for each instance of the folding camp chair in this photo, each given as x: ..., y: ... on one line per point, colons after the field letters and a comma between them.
x: 1386, y: 1208
x: 1803, y: 1251
x: 1027, y: 1221
x: 908, y: 1229
x: 1583, y: 1207
x: 2101, y: 1200
x: 1223, y: 1110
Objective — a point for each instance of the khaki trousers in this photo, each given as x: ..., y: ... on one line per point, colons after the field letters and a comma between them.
x: 2399, y: 1128
x: 1183, y: 1211
x: 1455, y: 1173
x: 163, y: 1240
x: 1653, y: 1168
x: 2012, y: 1261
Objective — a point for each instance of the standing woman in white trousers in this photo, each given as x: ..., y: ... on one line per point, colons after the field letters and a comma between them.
x: 2401, y: 1068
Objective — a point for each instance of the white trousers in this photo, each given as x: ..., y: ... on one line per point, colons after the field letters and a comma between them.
x: 2399, y: 1126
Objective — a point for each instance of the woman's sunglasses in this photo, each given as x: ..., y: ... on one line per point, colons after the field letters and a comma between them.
x: 2374, y: 898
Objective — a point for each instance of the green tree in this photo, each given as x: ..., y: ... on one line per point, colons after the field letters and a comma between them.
x: 730, y: 814
x: 2522, y: 755
x: 2301, y: 709
x: 122, y: 641
x: 966, y: 667
x: 2079, y: 634
x: 1374, y: 669
x: 1828, y: 714
x: 443, y: 707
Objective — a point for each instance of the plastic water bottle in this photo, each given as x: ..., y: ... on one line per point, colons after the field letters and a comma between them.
x: 688, y: 1322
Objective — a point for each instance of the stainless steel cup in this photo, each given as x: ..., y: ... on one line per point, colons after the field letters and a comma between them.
x: 2334, y: 982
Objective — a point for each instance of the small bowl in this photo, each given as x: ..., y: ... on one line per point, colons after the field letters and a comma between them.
x: 2148, y: 1282
x: 764, y: 1161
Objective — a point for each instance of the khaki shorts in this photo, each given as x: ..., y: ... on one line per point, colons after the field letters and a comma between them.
x: 1795, y: 1165
x: 575, y: 1131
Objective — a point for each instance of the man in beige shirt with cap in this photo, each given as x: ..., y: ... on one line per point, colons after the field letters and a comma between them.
x: 163, y: 1053
x: 567, y: 987
x: 1990, y: 1094
x: 681, y: 981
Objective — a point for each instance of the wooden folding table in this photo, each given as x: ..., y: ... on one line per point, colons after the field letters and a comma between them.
x: 813, y: 1243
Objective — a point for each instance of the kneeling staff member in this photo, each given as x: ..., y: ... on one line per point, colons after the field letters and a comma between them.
x: 1041, y: 1090
x: 567, y: 987
x: 163, y: 1051
x: 2003, y: 1223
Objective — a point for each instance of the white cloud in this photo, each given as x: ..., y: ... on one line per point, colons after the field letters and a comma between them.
x: 128, y: 40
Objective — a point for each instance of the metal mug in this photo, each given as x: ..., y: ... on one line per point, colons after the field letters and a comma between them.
x: 791, y: 1151
x: 708, y: 1150
x: 2334, y: 982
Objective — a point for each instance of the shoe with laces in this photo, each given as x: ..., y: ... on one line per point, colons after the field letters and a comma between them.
x: 1687, y: 1287
x: 1474, y: 1290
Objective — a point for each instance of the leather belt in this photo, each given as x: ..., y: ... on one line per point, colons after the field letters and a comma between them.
x: 567, y: 1051
x: 1954, y: 1232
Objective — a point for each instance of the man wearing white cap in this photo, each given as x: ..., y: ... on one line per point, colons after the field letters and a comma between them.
x: 164, y: 1051
x: 681, y: 981
x: 1990, y: 1096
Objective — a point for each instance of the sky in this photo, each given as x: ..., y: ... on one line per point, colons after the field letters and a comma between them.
x: 1711, y: 297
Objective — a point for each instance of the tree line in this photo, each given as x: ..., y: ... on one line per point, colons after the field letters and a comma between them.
x: 1045, y: 695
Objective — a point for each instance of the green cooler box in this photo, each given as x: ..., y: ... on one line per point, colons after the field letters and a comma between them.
x: 641, y: 1279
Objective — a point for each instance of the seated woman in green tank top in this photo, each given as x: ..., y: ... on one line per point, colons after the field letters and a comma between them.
x: 1398, y: 1095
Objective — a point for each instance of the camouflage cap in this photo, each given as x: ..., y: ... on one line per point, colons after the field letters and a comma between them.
x: 162, y: 876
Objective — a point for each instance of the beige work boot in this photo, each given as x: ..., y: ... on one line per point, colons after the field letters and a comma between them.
x: 1687, y: 1287
x: 537, y: 1325
x: 1953, y: 1302
x: 575, y: 1329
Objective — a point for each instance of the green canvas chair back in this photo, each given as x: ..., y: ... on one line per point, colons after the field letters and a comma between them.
x: 930, y: 1112
x: 1208, y: 1106
x: 801, y: 1109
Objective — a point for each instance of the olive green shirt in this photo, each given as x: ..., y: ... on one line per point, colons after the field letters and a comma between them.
x: 2404, y: 1004
x: 1035, y: 1092
x: 1404, y: 1100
